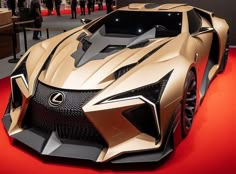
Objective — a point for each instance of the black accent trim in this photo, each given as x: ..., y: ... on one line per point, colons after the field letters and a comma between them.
x: 110, y: 48
x: 142, y: 118
x: 31, y: 138
x: 194, y: 21
x: 212, y: 60
x: 79, y: 150
x: 21, y: 69
x: 17, y: 98
x: 140, y: 44
x: 205, y: 15
x: 151, y: 53
x: 118, y: 73
x: 6, y: 121
x: 85, y: 44
x: 224, y: 58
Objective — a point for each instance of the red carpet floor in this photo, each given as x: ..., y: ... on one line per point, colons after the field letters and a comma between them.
x: 210, y: 147
x: 68, y: 11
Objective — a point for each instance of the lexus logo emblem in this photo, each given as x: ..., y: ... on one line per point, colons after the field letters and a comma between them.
x: 56, y: 98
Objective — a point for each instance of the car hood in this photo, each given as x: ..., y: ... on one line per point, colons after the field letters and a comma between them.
x: 58, y: 61
x: 95, y: 68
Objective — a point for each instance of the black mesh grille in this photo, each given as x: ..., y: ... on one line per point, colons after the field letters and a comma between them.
x: 67, y: 120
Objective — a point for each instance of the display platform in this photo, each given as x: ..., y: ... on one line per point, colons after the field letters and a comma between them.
x: 209, y: 148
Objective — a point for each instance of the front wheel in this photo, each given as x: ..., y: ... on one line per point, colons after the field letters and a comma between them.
x: 188, y: 103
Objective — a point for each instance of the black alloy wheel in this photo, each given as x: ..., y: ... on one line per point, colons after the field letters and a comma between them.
x: 189, y: 103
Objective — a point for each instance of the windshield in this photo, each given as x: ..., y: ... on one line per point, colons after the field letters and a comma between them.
x: 135, y: 23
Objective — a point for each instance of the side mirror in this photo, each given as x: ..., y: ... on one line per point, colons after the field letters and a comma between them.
x: 203, y: 30
x: 85, y: 21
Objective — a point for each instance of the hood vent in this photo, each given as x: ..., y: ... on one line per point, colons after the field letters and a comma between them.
x: 140, y: 44
x: 111, y: 48
x: 123, y: 70
x: 85, y: 44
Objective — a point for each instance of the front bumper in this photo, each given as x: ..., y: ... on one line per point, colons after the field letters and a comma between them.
x: 49, y: 139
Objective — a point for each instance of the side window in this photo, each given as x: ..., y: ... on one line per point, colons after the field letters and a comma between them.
x: 194, y: 21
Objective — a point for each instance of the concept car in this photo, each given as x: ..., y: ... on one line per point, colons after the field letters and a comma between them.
x: 122, y: 88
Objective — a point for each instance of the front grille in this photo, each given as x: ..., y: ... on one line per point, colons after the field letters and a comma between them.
x: 67, y: 120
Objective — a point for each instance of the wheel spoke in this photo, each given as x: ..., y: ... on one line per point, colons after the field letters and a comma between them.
x: 190, y: 102
x: 190, y: 109
x: 188, y: 122
x: 191, y: 98
x: 192, y: 86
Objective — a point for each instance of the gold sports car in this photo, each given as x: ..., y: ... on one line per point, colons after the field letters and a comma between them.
x: 122, y: 88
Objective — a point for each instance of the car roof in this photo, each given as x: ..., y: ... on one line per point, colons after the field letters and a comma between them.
x: 157, y: 7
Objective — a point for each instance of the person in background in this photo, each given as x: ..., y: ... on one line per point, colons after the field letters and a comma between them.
x: 93, y: 5
x: 82, y: 6
x: 21, y: 4
x: 109, y: 4
x: 100, y: 4
x: 49, y: 6
x: 36, y: 15
x: 22, y: 9
x: 58, y: 6
x: 89, y: 6
x: 74, y: 4
x: 12, y: 6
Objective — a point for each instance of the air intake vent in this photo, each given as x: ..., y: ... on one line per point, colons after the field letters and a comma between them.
x: 139, y: 44
x: 111, y: 48
x: 123, y: 70
x: 143, y: 119
x: 85, y: 44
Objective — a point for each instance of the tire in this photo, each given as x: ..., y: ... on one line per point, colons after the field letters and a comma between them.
x: 225, y: 56
x: 188, y: 103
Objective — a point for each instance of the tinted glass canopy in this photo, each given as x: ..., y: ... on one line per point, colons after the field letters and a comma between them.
x: 135, y: 23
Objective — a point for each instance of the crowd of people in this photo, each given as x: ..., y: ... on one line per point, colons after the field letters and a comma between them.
x: 50, y: 4
x: 81, y: 3
x: 35, y: 9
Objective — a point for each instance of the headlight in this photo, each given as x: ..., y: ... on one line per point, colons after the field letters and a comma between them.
x: 151, y: 92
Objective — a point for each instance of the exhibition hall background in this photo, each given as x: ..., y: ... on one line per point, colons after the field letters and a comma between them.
x: 222, y: 8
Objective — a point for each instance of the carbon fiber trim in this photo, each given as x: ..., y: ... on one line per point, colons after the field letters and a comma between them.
x: 67, y: 119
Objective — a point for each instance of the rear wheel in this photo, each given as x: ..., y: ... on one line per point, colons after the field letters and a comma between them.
x: 225, y: 56
x: 189, y: 103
